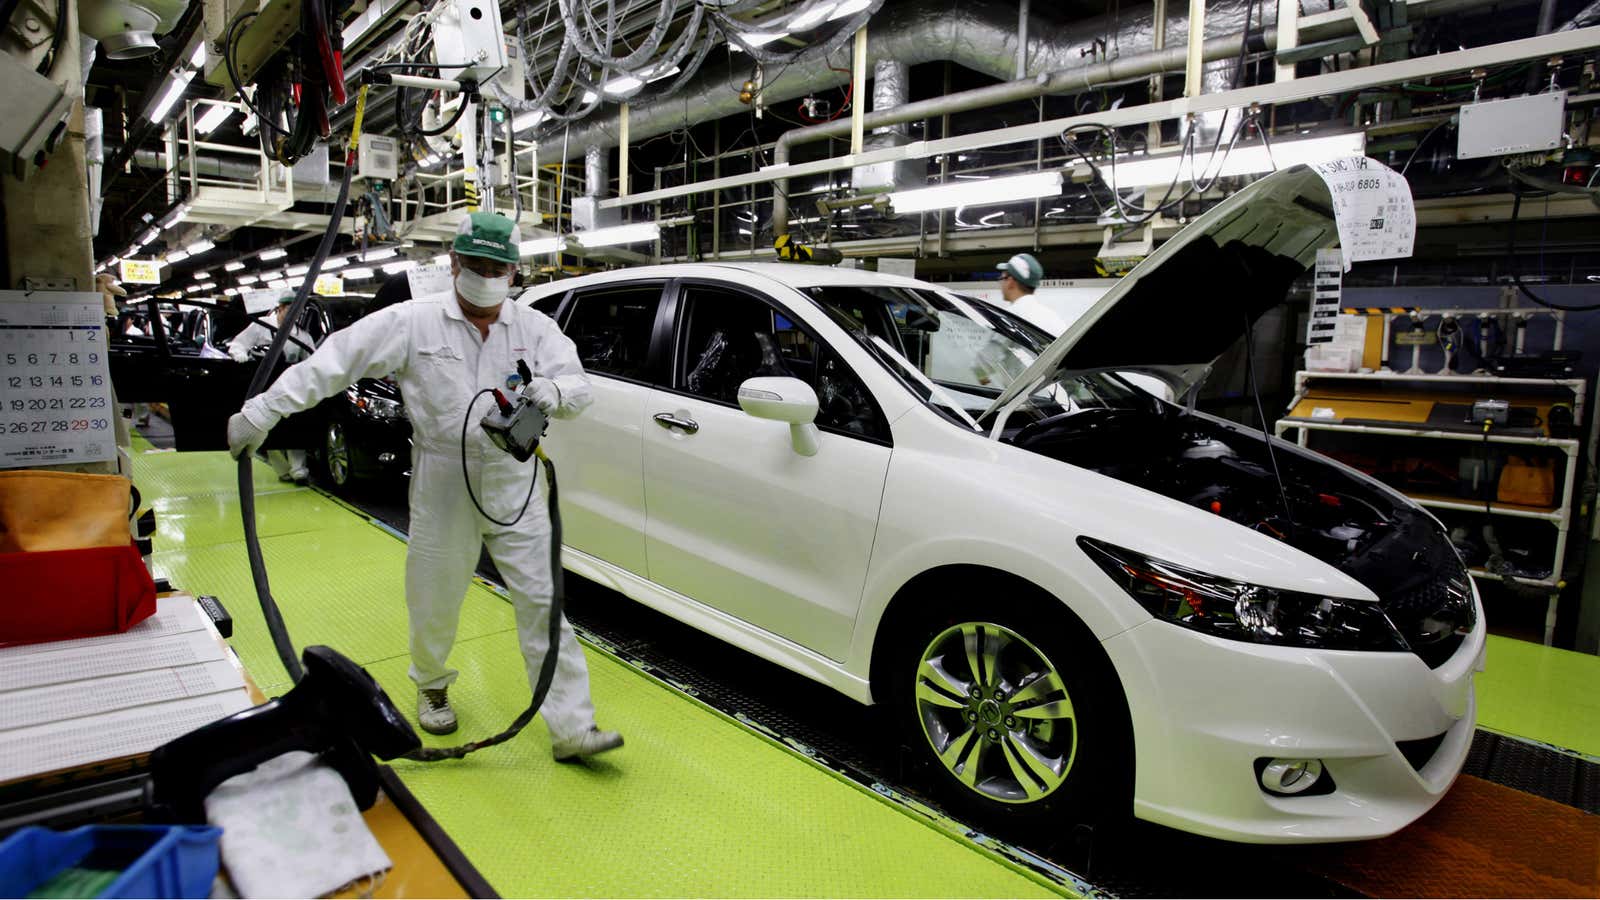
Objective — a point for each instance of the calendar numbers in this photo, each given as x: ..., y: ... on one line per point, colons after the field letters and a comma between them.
x: 57, y: 400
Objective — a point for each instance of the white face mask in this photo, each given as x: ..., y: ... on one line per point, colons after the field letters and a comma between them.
x: 481, y: 291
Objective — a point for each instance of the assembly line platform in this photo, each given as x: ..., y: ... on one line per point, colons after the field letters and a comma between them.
x: 710, y: 799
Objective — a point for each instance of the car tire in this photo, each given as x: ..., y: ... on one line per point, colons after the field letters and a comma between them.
x: 336, y: 454
x: 1044, y: 742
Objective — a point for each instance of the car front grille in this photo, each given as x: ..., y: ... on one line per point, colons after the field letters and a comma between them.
x: 1436, y: 615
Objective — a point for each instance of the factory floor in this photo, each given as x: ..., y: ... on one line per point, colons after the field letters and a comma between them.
x: 715, y: 796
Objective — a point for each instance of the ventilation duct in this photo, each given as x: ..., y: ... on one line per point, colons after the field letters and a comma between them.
x: 890, y: 90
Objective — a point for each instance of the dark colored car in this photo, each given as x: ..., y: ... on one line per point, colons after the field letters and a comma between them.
x: 174, y: 355
x: 366, y: 434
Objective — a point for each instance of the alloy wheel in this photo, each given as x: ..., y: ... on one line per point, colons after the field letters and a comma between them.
x: 996, y: 712
x: 338, y: 454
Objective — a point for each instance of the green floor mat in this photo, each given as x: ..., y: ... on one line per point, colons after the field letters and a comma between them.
x: 694, y: 805
x: 1541, y: 693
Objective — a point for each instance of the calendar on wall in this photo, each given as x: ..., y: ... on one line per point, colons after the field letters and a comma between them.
x: 55, y: 406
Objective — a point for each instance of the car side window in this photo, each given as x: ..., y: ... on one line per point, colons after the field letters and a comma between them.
x: 612, y: 327
x: 549, y: 303
x: 729, y: 336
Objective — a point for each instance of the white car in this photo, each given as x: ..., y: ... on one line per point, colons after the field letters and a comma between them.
x: 1076, y: 599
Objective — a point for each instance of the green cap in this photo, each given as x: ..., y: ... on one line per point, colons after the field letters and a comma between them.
x: 1024, y: 268
x: 286, y: 299
x: 489, y: 235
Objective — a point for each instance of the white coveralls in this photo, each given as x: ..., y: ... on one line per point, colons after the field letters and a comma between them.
x: 287, y: 463
x: 440, y: 361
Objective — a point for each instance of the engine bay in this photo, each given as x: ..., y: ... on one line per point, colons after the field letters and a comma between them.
x: 1225, y: 469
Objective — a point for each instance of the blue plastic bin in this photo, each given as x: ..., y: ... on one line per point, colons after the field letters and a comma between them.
x: 155, y: 860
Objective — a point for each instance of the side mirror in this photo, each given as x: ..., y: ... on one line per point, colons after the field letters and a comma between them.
x: 787, y: 400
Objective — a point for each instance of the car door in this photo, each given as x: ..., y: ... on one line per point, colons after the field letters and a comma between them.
x: 599, y: 452
x: 737, y: 519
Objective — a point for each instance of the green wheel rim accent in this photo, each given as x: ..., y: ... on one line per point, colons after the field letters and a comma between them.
x: 338, y: 455
x: 996, y: 713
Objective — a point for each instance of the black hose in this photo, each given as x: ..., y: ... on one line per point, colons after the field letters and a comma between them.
x: 547, y: 666
x: 258, y: 570
x: 466, y: 421
x: 247, y: 494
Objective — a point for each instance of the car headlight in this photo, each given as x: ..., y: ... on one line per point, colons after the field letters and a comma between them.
x: 376, y: 407
x: 1241, y: 611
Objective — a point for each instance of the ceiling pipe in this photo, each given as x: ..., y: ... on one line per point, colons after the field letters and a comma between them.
x: 980, y: 35
x: 1067, y: 81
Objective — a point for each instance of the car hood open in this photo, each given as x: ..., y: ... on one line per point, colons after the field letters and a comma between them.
x: 1186, y: 304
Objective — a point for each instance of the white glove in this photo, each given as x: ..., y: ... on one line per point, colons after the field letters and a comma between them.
x: 243, y: 437
x: 544, y: 394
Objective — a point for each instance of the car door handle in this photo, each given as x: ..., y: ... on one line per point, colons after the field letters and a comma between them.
x: 668, y: 420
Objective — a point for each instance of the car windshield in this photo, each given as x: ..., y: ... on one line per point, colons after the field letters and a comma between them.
x: 958, y: 353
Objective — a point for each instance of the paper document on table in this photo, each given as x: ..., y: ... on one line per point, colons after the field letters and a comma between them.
x: 84, y: 663
x: 75, y: 700
x: 1372, y: 206
x: 129, y: 732
x: 177, y: 614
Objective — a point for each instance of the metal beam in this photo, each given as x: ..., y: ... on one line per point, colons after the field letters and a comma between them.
x: 1288, y: 36
x: 1192, y: 86
x: 1554, y: 44
x: 858, y: 91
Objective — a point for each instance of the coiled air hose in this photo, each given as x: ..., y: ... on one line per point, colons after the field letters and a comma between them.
x: 247, y: 503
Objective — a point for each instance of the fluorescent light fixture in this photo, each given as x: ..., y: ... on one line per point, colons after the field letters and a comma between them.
x: 520, y: 123
x: 1161, y: 170
x: 198, y: 58
x: 145, y: 238
x: 248, y: 279
x: 199, y: 247
x: 296, y: 271
x: 540, y: 246
x: 201, y: 276
x: 173, y: 217
x: 619, y: 234
x: 177, y: 256
x: 760, y: 38
x: 811, y: 17
x: 278, y: 285
x: 848, y: 8
x: 334, y: 262
x: 213, y: 119
x: 209, y: 285
x: 401, y: 266
x: 274, y: 253
x: 443, y: 259
x: 977, y: 193
x: 375, y: 255
x: 357, y: 274
x: 233, y: 265
x: 174, y: 90
x: 232, y: 292
x: 623, y: 85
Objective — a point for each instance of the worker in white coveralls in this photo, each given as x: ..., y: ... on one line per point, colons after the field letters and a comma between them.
x: 443, y: 349
x: 289, y: 464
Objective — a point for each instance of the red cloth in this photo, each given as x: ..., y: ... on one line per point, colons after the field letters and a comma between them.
x: 60, y: 594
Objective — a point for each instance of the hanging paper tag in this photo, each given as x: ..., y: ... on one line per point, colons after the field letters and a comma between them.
x: 1372, y: 206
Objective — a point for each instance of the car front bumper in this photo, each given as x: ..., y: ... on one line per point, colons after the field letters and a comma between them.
x: 1205, y: 709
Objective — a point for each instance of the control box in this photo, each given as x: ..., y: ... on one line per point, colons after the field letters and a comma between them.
x: 469, y: 43
x: 378, y: 158
x: 1515, y: 125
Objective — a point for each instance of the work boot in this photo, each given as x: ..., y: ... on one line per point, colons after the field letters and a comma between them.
x: 434, y: 712
x: 585, y: 745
